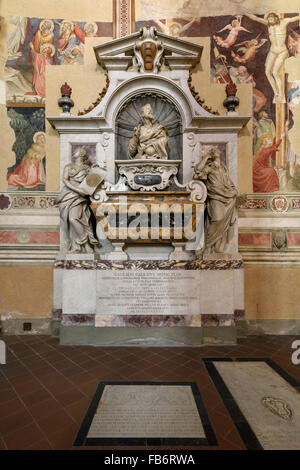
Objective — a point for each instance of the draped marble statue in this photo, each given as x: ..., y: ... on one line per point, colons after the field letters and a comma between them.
x: 149, y: 140
x: 221, y: 200
x: 78, y: 184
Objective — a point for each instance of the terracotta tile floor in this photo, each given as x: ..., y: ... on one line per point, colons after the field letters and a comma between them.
x: 45, y: 388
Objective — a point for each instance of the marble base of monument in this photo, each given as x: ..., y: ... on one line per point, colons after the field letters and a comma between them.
x: 147, y: 302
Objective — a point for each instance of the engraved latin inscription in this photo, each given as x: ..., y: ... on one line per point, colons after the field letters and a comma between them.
x: 150, y: 292
x: 147, y: 411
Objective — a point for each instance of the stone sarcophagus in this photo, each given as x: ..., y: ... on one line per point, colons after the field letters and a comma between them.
x: 149, y: 250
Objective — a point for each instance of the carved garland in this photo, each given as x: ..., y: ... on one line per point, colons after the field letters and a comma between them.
x: 198, y: 99
x: 101, y: 96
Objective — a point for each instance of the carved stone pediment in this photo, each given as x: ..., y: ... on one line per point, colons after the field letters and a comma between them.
x: 147, y: 51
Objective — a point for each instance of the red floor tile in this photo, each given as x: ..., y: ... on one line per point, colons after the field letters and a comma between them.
x: 45, y: 388
x: 19, y: 439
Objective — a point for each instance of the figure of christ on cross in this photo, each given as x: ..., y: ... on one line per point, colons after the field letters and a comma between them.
x: 277, y: 29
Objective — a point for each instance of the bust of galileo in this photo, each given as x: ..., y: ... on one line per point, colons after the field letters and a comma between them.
x: 150, y: 141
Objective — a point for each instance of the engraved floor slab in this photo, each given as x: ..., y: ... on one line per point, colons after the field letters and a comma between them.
x: 141, y: 413
x: 264, y: 402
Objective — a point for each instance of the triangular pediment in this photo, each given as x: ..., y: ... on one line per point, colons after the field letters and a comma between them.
x: 128, y: 51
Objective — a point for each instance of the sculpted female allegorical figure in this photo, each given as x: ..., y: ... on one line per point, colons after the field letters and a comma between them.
x: 221, y: 200
x: 74, y: 206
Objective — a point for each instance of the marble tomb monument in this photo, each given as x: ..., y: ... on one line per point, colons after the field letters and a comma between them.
x: 149, y: 251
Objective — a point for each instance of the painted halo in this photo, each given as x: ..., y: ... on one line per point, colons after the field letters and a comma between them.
x: 176, y: 25
x: 67, y: 22
x: 73, y: 49
x: 264, y: 136
x: 37, y: 134
x: 272, y: 12
x: 47, y: 21
x: 94, y: 25
x: 46, y: 46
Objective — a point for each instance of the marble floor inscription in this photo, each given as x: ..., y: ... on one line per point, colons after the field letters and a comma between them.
x: 139, y: 413
x: 267, y: 404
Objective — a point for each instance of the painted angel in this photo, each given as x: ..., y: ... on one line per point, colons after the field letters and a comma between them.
x: 173, y: 28
x: 248, y: 50
x: 234, y: 28
x: 293, y: 42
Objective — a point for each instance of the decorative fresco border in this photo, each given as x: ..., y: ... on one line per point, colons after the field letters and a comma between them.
x: 275, y: 240
x: 30, y: 236
x: 273, y: 203
x: 27, y: 200
x: 123, y: 18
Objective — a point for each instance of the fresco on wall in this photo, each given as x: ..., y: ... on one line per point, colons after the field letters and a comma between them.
x: 34, y: 43
x: 29, y: 171
x: 190, y: 18
x: 247, y: 47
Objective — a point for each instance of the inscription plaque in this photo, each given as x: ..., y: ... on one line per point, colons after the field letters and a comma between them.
x: 147, y: 411
x: 148, y: 292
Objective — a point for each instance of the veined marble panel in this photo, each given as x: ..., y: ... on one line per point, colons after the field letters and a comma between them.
x: 79, y: 292
x: 71, y: 320
x: 217, y: 320
x: 269, y: 404
x: 142, y: 265
x: 137, y: 321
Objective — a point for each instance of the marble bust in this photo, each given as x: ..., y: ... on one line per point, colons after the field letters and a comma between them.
x: 150, y: 141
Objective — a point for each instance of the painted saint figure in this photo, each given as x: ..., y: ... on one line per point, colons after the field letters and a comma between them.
x: 30, y: 172
x: 89, y: 30
x: 234, y: 28
x: 149, y: 140
x: 221, y: 194
x: 44, y: 35
x: 74, y: 208
x: 265, y: 178
x: 40, y: 60
x: 41, y: 53
x: 65, y: 41
x: 278, y: 53
x: 242, y: 75
x: 263, y: 125
x: 76, y: 54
